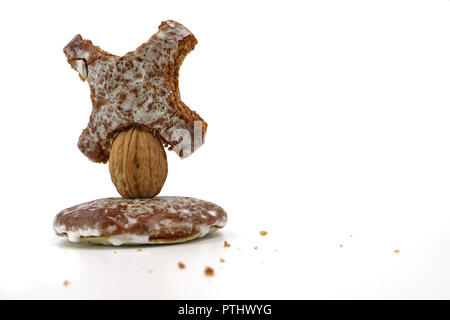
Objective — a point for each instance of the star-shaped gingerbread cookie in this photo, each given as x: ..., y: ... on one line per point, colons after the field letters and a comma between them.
x: 137, y: 89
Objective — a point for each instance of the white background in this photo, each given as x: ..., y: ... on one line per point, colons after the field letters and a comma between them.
x: 326, y: 119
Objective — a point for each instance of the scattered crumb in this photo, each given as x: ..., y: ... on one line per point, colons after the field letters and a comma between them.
x: 256, y: 248
x: 262, y: 262
x: 181, y: 265
x: 226, y: 244
x: 209, y: 271
x: 239, y: 248
x: 396, y: 251
x: 263, y: 233
x: 115, y: 252
x: 150, y: 271
x: 275, y: 250
x: 222, y: 260
x: 341, y: 246
x: 351, y: 236
x: 139, y: 249
x: 66, y: 283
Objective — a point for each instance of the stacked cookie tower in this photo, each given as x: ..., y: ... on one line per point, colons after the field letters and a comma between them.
x: 137, y: 111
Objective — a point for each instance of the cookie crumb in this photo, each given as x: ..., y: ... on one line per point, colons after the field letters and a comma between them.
x: 263, y: 233
x: 222, y: 260
x: 341, y: 246
x: 209, y: 271
x: 150, y: 271
x: 114, y: 252
x: 275, y: 250
x: 181, y: 265
x: 396, y: 251
x: 351, y: 236
x: 256, y: 248
x: 226, y: 244
x: 66, y: 283
x: 139, y: 249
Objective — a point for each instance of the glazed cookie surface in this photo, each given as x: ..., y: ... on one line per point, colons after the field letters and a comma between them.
x: 118, y: 221
x: 137, y: 89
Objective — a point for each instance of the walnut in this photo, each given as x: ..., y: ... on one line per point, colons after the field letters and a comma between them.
x: 138, y: 163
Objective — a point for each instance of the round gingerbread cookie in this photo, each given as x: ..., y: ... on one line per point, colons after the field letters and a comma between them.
x: 118, y: 221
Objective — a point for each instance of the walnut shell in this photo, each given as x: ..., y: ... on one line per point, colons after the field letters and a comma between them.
x: 138, y: 163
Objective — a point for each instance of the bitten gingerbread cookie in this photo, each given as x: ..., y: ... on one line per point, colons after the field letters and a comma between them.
x: 138, y: 89
x: 120, y: 221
